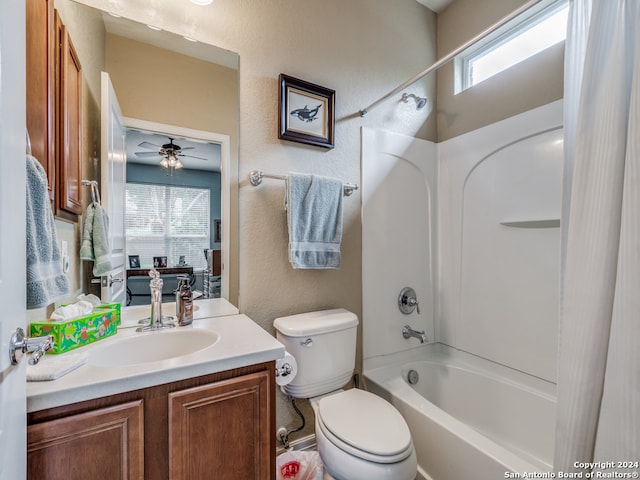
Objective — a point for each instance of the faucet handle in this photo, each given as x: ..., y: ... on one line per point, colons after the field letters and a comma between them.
x: 21, y: 344
x: 408, y: 301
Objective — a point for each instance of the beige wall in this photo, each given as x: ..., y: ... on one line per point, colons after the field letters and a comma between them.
x: 532, y: 83
x: 362, y: 49
x: 162, y: 86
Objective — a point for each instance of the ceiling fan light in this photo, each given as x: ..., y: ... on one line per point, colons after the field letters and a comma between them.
x: 202, y: 2
x: 178, y: 165
x: 164, y: 163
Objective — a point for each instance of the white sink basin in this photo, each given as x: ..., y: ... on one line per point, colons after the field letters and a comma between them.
x: 152, y: 347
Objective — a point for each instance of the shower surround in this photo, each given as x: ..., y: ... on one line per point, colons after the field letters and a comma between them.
x: 475, y: 224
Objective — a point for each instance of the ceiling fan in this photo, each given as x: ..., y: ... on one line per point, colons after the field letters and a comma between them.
x: 170, y: 153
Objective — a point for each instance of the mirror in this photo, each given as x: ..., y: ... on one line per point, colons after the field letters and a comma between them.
x: 172, y: 92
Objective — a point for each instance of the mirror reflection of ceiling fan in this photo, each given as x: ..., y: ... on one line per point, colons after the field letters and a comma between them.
x: 170, y: 153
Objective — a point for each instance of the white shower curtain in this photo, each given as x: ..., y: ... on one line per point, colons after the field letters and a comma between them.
x: 598, y: 416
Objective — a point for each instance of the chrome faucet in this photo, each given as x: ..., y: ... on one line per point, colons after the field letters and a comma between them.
x: 155, y: 321
x: 408, y: 332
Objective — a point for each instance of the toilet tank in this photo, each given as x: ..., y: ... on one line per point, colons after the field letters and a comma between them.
x: 324, y: 346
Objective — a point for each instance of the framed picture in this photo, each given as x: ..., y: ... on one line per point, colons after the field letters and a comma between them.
x: 217, y: 230
x: 306, y: 112
x: 159, y: 262
x: 134, y: 261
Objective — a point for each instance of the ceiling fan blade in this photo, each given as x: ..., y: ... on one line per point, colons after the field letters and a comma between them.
x: 186, y: 148
x: 149, y: 145
x: 191, y: 156
x: 147, y: 154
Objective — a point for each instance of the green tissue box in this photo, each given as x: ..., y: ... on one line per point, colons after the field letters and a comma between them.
x: 111, y: 306
x: 74, y: 333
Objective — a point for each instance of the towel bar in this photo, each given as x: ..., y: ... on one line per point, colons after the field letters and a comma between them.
x: 95, y: 193
x: 256, y: 176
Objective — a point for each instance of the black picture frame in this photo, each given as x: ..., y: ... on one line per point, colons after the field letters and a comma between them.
x: 134, y: 261
x: 306, y: 112
x: 159, y: 262
x: 217, y: 230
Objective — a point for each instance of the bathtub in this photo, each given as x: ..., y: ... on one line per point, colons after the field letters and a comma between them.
x: 469, y: 418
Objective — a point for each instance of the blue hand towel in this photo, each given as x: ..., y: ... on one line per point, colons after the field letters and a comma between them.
x: 46, y: 281
x: 95, y: 239
x: 314, y: 214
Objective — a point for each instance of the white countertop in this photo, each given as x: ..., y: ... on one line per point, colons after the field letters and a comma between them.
x: 242, y: 342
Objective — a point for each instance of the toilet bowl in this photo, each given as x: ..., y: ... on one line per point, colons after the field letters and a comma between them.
x: 361, y: 436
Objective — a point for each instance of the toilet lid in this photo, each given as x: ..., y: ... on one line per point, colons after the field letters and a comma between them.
x: 365, y: 422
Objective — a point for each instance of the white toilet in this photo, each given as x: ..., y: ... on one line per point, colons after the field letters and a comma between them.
x: 360, y: 436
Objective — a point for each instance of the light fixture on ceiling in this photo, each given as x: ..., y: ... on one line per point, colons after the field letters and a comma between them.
x: 171, y: 163
x: 170, y: 153
x: 202, y: 2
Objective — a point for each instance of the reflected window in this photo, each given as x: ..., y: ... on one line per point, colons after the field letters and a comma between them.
x: 166, y: 220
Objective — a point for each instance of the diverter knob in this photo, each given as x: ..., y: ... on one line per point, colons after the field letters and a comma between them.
x: 408, y: 301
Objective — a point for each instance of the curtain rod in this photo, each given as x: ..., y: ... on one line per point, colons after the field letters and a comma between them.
x: 447, y: 58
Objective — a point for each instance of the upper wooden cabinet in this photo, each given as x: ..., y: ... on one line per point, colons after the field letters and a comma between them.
x: 41, y: 85
x: 54, y: 105
x: 68, y: 125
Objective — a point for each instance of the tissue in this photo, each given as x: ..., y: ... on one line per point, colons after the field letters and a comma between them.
x: 74, y: 310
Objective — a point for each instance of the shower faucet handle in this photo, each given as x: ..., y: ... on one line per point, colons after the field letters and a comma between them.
x: 408, y: 301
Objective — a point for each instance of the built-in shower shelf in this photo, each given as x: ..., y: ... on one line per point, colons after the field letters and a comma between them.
x: 532, y: 223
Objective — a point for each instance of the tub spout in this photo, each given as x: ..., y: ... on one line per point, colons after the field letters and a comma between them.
x: 408, y: 332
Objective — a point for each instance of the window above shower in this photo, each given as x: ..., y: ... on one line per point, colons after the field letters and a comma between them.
x: 532, y: 32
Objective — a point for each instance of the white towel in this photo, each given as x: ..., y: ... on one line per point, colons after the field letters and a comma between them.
x: 51, y: 367
x: 46, y: 281
x: 314, y: 214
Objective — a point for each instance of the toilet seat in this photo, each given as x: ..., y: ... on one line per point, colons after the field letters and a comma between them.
x: 364, y: 425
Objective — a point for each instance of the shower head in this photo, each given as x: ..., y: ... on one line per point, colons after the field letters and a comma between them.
x: 420, y: 101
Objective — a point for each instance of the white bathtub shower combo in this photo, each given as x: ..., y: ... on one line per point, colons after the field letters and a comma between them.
x: 476, y: 222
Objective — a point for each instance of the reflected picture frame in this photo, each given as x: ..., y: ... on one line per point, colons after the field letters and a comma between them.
x: 134, y: 261
x: 217, y: 230
x: 160, y: 262
x: 306, y: 112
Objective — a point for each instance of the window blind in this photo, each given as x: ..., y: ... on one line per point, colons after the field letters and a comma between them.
x: 165, y: 220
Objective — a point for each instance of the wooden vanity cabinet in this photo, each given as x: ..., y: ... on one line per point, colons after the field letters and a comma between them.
x: 102, y: 443
x: 218, y: 426
x: 54, y: 105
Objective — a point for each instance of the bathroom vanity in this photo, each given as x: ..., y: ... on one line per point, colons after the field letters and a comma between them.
x: 134, y: 411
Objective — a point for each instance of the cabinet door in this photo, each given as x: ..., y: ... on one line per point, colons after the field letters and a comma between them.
x: 105, y: 444
x: 69, y: 130
x: 40, y: 84
x: 222, y: 430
